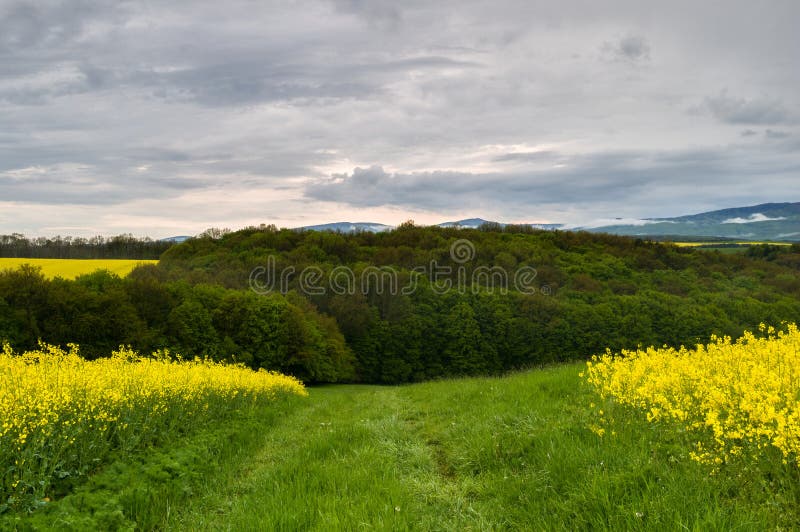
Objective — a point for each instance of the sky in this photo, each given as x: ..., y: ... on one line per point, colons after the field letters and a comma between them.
x: 165, y: 118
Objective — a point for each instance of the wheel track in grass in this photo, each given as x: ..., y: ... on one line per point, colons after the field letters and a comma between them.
x: 505, y: 453
x: 354, y: 445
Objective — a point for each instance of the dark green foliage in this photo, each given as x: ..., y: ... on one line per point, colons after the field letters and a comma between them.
x: 466, y: 350
x: 25, y: 293
x: 101, y: 311
x: 598, y: 291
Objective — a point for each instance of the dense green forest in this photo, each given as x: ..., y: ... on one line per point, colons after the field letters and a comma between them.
x: 416, y: 310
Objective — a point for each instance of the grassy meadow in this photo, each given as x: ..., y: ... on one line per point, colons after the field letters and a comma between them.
x: 519, y: 452
x: 72, y: 268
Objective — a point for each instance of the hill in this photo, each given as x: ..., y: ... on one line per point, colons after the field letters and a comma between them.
x: 348, y: 227
x: 768, y: 222
x: 416, y: 303
x: 468, y: 223
x: 765, y: 222
x: 175, y: 239
x: 410, y: 304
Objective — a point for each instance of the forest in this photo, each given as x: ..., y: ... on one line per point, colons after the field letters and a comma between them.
x: 16, y: 245
x: 592, y: 292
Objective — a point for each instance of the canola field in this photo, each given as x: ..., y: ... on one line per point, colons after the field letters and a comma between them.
x: 72, y: 268
x: 61, y: 416
x: 724, y: 243
x: 735, y: 400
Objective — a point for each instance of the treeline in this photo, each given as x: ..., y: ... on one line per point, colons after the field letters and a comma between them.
x: 97, y: 247
x: 411, y: 304
x: 101, y: 311
x: 779, y: 254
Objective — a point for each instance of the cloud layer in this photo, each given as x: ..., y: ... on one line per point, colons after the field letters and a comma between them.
x: 158, y: 119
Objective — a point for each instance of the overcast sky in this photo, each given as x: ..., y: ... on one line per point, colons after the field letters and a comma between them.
x: 163, y: 118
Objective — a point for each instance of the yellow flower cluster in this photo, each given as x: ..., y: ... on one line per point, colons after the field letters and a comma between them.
x: 734, y: 398
x: 72, y: 268
x: 60, y: 414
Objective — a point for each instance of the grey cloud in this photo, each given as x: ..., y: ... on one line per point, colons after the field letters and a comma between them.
x: 260, y: 81
x: 29, y: 25
x: 21, y: 27
x: 15, y: 154
x: 629, y: 48
x: 584, y: 179
x: 544, y: 155
x: 35, y: 34
x: 96, y: 78
x: 386, y: 14
x: 90, y: 79
x: 55, y: 174
x: 776, y: 135
x: 241, y: 82
x: 25, y: 97
x: 156, y: 99
x: 754, y: 111
x: 89, y: 185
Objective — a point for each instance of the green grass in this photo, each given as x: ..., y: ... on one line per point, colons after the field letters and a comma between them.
x: 510, y: 453
x: 505, y: 453
x: 72, y: 268
x: 139, y: 491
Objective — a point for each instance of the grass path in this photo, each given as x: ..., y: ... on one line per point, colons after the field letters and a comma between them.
x: 475, y: 454
x: 339, y: 461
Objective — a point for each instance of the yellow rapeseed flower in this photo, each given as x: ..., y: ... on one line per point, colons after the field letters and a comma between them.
x: 734, y: 397
x: 51, y: 399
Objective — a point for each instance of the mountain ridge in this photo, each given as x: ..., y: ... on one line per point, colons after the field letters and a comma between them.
x: 776, y: 221
x: 763, y: 222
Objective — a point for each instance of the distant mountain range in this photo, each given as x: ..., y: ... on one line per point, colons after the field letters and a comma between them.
x: 351, y: 227
x: 175, y: 239
x: 474, y: 223
x: 767, y: 222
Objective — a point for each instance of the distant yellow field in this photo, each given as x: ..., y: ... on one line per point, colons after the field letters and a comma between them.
x: 71, y: 268
x: 742, y: 243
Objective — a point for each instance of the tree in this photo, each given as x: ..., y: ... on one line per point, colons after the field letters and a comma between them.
x: 465, y: 351
x: 192, y: 330
x: 25, y: 291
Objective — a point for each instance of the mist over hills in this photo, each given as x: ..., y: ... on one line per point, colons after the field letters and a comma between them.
x: 768, y: 221
x: 348, y: 227
x: 468, y: 223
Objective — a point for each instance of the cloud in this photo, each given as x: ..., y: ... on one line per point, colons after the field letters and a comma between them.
x: 756, y: 217
x: 606, y: 222
x: 578, y: 180
x: 78, y: 184
x: 543, y: 155
x: 385, y: 14
x: 776, y: 135
x: 236, y: 83
x: 631, y: 48
x: 316, y: 110
x: 754, y: 111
